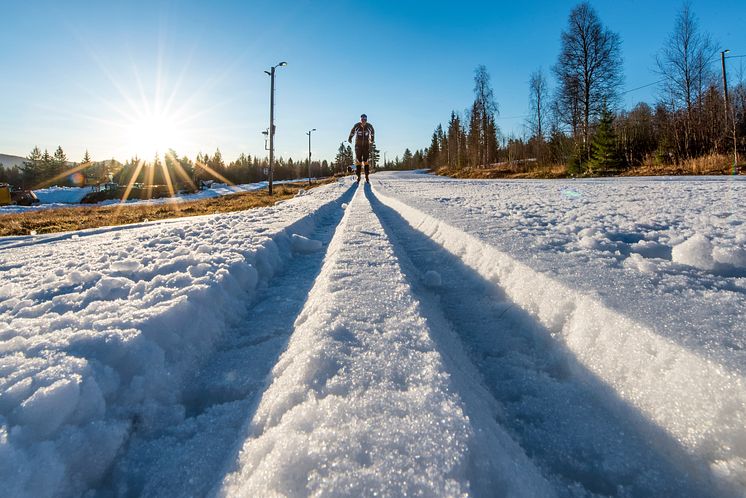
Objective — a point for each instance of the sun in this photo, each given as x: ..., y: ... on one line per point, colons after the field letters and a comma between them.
x: 152, y: 134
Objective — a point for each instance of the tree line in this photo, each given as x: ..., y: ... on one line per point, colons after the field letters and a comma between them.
x: 580, y: 123
x: 41, y: 169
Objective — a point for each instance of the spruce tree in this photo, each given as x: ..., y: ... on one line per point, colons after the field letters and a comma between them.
x: 605, y: 154
x: 407, y: 159
x: 433, y: 151
x: 31, y: 170
x: 59, y: 165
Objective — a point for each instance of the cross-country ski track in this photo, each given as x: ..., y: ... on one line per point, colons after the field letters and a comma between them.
x: 352, y: 342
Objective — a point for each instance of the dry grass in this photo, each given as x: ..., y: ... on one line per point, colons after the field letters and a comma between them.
x: 713, y: 164
x: 510, y: 172
x: 78, y: 218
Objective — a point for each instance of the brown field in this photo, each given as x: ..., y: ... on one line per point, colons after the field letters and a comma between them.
x: 714, y: 164
x: 78, y: 218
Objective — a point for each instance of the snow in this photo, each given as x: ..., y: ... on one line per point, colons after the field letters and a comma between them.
x: 97, y: 338
x: 304, y: 244
x: 361, y: 401
x: 61, y: 195
x: 418, y: 335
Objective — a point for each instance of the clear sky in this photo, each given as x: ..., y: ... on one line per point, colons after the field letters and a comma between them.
x: 123, y: 77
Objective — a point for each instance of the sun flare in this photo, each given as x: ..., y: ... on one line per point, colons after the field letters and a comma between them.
x: 151, y: 135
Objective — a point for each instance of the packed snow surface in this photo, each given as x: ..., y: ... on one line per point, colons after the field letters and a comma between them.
x: 415, y: 336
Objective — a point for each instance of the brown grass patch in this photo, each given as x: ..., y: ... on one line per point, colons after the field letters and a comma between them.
x: 508, y: 172
x: 712, y: 164
x: 79, y: 218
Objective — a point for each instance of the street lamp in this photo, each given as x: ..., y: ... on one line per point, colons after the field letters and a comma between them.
x: 271, y: 74
x: 309, y: 154
x: 728, y: 114
x: 342, y: 166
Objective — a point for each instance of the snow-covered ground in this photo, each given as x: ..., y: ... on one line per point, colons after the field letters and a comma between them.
x: 57, y: 197
x: 419, y: 336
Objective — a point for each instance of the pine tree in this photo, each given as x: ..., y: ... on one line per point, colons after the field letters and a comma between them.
x: 341, y: 159
x: 442, y: 157
x: 605, y: 154
x: 59, y: 164
x: 375, y: 154
x: 31, y: 169
x: 407, y: 159
x: 457, y: 140
x: 433, y: 151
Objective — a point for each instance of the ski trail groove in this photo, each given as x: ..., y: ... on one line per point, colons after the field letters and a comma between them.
x: 547, y: 400
x: 362, y: 402
x: 692, y: 399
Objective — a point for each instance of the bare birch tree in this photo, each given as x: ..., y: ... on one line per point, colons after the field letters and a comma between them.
x: 589, y: 71
x: 538, y: 102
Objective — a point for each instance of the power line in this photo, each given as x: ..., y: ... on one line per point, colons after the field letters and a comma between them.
x: 641, y: 87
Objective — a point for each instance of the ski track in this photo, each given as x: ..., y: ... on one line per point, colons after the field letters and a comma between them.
x: 187, y: 459
x: 548, y: 401
x: 361, y: 402
x: 100, y: 334
x: 697, y: 402
x: 372, y: 350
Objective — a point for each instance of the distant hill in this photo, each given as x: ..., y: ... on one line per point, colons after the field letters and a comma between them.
x: 9, y: 161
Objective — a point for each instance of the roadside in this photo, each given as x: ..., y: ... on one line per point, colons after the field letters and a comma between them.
x: 79, y: 218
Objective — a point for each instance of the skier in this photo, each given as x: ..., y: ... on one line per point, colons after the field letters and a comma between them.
x: 365, y: 137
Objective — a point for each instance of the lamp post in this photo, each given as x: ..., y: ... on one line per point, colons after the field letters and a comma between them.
x: 728, y: 114
x: 309, y: 154
x: 271, y: 74
x: 342, y: 166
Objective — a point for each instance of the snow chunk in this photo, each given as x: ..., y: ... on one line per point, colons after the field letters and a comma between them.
x: 695, y: 251
x: 126, y: 265
x: 50, y: 406
x: 305, y: 245
x: 637, y: 262
x: 734, y: 256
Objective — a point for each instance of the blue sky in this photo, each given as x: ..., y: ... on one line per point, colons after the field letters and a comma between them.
x: 91, y: 74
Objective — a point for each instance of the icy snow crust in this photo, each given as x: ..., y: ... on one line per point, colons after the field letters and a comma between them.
x: 424, y: 336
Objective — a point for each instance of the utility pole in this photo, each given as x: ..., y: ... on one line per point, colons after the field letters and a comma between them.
x: 309, y: 154
x: 271, y: 74
x: 728, y: 113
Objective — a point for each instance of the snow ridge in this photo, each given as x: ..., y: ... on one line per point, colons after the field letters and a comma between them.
x: 701, y: 404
